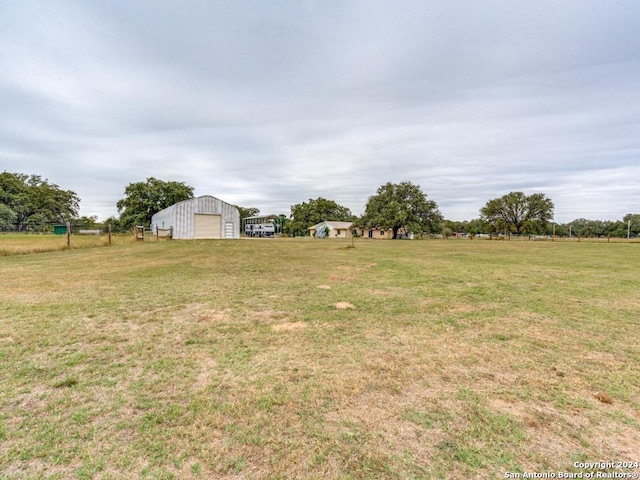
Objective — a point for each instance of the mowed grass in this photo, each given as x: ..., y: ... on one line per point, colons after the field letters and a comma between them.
x: 280, y: 359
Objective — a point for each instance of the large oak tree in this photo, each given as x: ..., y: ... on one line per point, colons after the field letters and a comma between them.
x: 142, y: 200
x: 517, y: 213
x: 401, y: 206
x: 306, y: 214
x: 29, y: 202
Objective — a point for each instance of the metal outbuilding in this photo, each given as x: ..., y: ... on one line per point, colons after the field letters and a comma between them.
x: 201, y: 217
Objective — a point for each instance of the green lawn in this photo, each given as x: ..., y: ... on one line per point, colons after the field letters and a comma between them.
x: 280, y: 359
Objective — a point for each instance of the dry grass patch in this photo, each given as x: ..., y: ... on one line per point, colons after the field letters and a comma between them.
x: 288, y: 326
x: 342, y: 278
x: 207, y: 366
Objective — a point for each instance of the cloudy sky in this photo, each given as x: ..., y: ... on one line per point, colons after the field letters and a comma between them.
x: 270, y: 103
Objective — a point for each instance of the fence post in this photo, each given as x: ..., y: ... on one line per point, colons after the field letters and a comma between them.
x: 109, y: 232
x: 68, y: 234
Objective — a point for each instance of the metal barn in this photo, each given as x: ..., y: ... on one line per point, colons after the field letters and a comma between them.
x: 201, y: 217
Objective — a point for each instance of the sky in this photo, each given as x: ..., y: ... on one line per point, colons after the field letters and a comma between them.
x: 271, y: 103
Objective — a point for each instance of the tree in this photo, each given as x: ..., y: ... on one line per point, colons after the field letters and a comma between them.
x: 304, y: 215
x: 561, y: 230
x: 142, y: 200
x: 401, y: 206
x: 246, y: 212
x: 472, y: 227
x: 614, y: 229
x: 86, y: 223
x: 7, y: 217
x: 281, y: 223
x: 582, y: 227
x: 116, y: 226
x: 516, y: 212
x: 30, y: 202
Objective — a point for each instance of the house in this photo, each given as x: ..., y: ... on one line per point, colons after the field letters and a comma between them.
x: 331, y: 229
x: 375, y: 233
x: 201, y: 217
x: 346, y: 230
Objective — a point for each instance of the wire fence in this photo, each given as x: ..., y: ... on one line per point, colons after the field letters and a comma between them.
x: 60, y: 228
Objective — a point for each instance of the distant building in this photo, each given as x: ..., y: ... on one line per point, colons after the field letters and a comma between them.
x: 375, y: 233
x: 333, y: 229
x: 260, y: 226
x: 201, y: 217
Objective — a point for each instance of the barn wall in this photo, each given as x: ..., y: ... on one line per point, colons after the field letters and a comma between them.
x: 163, y: 219
x: 182, y: 216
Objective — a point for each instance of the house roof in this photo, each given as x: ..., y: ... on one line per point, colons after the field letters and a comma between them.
x: 332, y: 224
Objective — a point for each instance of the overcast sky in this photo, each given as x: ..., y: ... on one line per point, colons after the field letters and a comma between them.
x: 270, y: 103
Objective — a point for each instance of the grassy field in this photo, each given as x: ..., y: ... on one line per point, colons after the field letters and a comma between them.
x: 25, y: 244
x: 304, y: 359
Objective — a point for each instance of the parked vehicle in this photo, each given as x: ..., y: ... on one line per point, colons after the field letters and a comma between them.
x: 259, y: 227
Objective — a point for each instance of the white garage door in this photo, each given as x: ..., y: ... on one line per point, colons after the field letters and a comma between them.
x: 207, y: 226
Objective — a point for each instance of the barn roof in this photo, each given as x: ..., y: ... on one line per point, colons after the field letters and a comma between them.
x: 195, y: 198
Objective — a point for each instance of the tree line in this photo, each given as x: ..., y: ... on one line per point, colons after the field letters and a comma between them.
x: 405, y: 207
x: 580, y: 227
x: 31, y: 203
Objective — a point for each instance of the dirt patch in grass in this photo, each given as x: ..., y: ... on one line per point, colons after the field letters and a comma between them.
x: 604, y: 398
x: 324, y: 287
x: 34, y: 399
x: 344, y: 306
